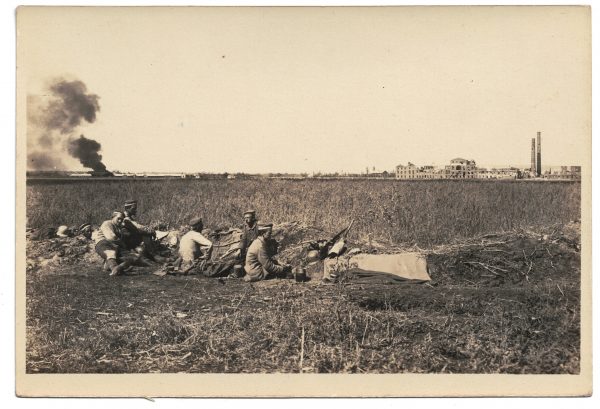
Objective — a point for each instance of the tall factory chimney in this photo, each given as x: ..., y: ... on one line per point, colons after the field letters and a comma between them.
x: 533, y: 168
x: 539, y: 154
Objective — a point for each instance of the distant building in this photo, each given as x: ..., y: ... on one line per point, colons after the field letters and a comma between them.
x: 564, y: 172
x: 505, y: 173
x: 527, y: 174
x: 460, y: 168
x: 483, y: 173
x: 424, y: 172
x: 411, y: 171
x: 406, y: 172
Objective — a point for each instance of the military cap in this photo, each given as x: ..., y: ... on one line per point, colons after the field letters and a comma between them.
x: 252, y: 212
x: 265, y: 227
x: 62, y: 231
x: 195, y: 221
x: 130, y: 203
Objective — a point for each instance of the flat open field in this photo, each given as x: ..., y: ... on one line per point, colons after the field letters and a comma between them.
x: 504, y: 259
x: 400, y: 212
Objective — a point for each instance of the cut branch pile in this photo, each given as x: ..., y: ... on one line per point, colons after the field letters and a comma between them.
x: 513, y: 257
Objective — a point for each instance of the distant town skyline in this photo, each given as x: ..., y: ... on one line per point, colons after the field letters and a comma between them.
x: 316, y: 89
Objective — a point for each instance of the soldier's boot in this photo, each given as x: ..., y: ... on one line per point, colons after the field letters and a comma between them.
x: 157, y: 258
x: 119, y: 269
x: 145, y: 262
x: 106, y: 266
x: 110, y: 264
x: 288, y: 272
x: 237, y: 272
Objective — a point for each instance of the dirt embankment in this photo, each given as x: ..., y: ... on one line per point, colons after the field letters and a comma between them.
x: 510, y: 258
x: 493, y: 260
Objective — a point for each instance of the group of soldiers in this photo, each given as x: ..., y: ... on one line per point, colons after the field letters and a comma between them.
x: 122, y: 242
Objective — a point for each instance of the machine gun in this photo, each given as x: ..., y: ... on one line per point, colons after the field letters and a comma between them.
x: 336, y: 246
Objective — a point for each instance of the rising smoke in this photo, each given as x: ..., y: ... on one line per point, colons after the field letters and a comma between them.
x: 86, y: 150
x: 53, y: 120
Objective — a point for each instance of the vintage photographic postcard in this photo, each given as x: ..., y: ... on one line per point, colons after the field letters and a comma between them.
x: 303, y: 201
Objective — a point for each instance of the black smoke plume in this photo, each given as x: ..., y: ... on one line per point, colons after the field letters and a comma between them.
x: 86, y: 150
x: 54, y: 117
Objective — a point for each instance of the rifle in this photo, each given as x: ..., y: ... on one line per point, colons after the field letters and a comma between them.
x: 324, y: 251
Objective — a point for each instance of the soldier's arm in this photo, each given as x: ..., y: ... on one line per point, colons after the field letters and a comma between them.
x: 109, y: 232
x: 140, y: 227
x: 243, y: 240
x: 203, y: 242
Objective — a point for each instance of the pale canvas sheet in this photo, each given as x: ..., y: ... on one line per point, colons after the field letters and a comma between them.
x: 408, y: 266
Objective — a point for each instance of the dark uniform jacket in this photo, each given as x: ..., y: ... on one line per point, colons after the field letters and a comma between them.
x: 259, y: 262
x: 249, y: 234
x: 134, y: 232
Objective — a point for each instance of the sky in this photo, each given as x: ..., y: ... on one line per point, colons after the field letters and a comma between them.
x: 317, y: 89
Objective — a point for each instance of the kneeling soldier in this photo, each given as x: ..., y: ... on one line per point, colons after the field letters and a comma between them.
x: 260, y: 264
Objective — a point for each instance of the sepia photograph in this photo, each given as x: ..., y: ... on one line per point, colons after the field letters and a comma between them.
x: 346, y: 201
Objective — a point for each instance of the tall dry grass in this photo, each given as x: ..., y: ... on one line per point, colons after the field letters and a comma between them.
x: 420, y: 212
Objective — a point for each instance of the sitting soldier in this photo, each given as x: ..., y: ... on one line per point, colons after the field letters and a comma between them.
x: 193, y: 245
x: 260, y: 264
x: 110, y: 246
x: 136, y: 236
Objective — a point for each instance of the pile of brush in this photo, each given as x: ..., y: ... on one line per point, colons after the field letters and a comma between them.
x: 511, y: 257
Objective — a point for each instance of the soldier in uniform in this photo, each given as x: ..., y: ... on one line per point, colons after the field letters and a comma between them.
x: 136, y: 236
x: 194, y: 245
x: 110, y: 246
x: 260, y: 264
x: 249, y: 233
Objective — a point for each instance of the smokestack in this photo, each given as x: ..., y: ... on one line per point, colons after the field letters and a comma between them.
x: 533, y: 168
x: 539, y: 154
